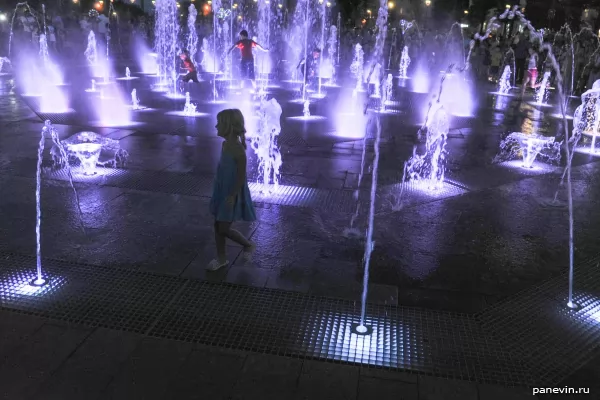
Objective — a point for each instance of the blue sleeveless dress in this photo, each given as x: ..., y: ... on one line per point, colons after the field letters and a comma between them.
x: 243, y: 209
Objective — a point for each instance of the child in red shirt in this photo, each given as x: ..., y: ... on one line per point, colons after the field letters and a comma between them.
x: 247, y: 63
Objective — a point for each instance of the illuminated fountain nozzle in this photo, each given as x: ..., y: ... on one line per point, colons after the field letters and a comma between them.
x: 88, y: 155
x: 135, y: 102
x: 306, y: 109
x: 189, y: 109
x: 88, y: 147
x: 404, y: 63
x: 531, y: 146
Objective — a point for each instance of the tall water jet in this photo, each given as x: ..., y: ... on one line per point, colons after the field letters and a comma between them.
x: 265, y: 145
x: 91, y: 51
x: 207, y: 63
x: 361, y: 328
x: 541, y: 96
x: 307, y: 23
x: 166, y: 32
x: 40, y: 280
x: 504, y: 84
x: 323, y: 21
x: 12, y: 22
x: 333, y: 44
x: 127, y: 72
x: 377, y: 55
x: 264, y: 37
x: 357, y: 66
x: 376, y: 80
x: 50, y: 69
x: 404, y: 63
x: 192, y: 36
x: 135, y: 102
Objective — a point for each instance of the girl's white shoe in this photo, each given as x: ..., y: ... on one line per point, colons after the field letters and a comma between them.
x: 215, y: 265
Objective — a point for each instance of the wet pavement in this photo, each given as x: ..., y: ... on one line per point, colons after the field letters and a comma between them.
x: 486, y: 236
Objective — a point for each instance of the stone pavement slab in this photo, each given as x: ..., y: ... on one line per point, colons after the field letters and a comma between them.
x: 63, y: 361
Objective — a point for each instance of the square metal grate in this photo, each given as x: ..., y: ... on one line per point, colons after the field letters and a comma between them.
x: 90, y: 295
x: 531, y: 339
x: 295, y: 324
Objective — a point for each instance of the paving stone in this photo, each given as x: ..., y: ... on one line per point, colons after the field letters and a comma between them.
x: 385, y: 389
x: 29, y: 365
x: 432, y: 388
x: 388, y: 374
x: 208, y: 373
x: 267, y: 377
x: 494, y: 392
x: 327, y: 381
x: 16, y: 330
x: 148, y: 371
x: 89, y: 370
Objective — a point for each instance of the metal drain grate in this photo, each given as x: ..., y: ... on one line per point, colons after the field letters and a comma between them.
x: 574, y: 336
x: 294, y: 324
x: 69, y: 118
x: 90, y: 295
x: 529, y: 340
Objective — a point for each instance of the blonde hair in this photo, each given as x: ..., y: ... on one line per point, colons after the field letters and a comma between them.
x: 233, y: 121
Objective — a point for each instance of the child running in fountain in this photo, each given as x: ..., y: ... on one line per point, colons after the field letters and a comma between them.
x: 188, y: 64
x: 231, y: 199
x: 247, y: 63
x: 309, y: 70
x: 532, y: 72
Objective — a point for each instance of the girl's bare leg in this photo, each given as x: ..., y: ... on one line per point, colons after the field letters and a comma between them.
x: 525, y: 82
x: 220, y: 241
x: 231, y: 234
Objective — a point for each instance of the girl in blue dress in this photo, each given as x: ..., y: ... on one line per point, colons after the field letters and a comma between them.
x: 231, y: 199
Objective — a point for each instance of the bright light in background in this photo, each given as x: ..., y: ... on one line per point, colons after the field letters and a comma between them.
x: 464, y: 25
x: 2, y: 17
x: 391, y: 5
x: 427, y: 3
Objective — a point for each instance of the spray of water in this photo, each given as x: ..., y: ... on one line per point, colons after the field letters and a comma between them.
x: 192, y: 36
x: 404, y: 62
x: 166, y: 33
x: 189, y: 109
x: 332, y: 47
x: 61, y: 159
x: 91, y: 51
x: 306, y: 109
x: 38, y: 216
x: 504, y: 84
x: 264, y: 143
x: 369, y: 242
x: 135, y: 102
x: 541, y: 96
x: 357, y: 66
